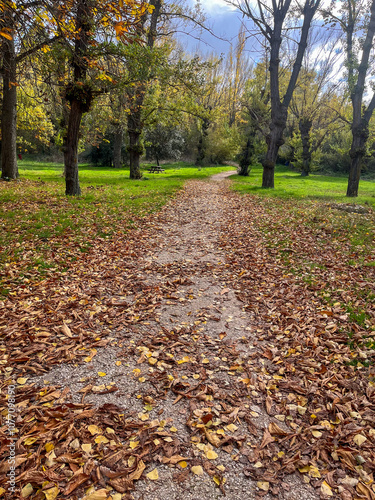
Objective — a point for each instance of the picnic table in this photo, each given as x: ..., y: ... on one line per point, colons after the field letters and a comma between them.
x: 154, y: 169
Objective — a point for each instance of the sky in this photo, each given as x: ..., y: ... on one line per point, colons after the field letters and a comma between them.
x: 224, y: 21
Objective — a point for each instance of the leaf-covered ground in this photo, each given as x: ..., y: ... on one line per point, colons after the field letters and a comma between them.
x: 225, y: 346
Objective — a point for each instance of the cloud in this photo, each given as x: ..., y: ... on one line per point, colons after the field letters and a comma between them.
x: 217, y: 7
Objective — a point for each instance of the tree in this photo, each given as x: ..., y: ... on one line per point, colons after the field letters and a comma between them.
x: 357, y: 20
x: 270, y: 20
x: 22, y: 33
x: 86, y: 27
x: 164, y: 142
x: 315, y: 90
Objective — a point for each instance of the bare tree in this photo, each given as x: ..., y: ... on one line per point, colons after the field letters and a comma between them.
x: 357, y: 20
x: 317, y: 85
x: 275, y: 21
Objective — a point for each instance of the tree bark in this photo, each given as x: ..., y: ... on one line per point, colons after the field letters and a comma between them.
x: 246, y: 157
x: 305, y: 128
x: 71, y: 150
x: 274, y: 141
x: 361, y: 119
x: 357, y: 152
x: 9, y: 167
x: 117, y: 146
x: 79, y: 95
x: 135, y: 147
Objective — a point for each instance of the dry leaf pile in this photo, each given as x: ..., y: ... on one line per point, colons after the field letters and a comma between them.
x: 203, y: 382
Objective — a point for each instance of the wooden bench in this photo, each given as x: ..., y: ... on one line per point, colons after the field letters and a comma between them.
x: 154, y: 169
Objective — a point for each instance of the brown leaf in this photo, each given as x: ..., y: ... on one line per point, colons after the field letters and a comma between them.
x: 267, y: 439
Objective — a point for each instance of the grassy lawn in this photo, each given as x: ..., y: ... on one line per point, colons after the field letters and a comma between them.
x: 42, y: 230
x: 308, y: 203
x: 330, y: 251
x: 289, y: 184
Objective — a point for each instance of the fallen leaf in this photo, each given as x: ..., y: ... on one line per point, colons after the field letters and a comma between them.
x: 263, y: 485
x: 94, y: 429
x: 97, y: 495
x: 326, y: 489
x: 359, y: 439
x: 153, y: 475
x: 197, y: 470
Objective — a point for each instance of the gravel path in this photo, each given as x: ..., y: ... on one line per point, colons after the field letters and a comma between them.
x: 203, y: 312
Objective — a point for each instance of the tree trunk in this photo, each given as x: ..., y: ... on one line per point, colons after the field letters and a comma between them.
x: 135, y: 147
x: 274, y: 141
x: 9, y: 167
x: 305, y: 128
x: 357, y: 152
x: 246, y: 157
x: 71, y: 150
x: 117, y: 146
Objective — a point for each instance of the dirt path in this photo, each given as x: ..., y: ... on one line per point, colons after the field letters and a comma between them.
x: 182, y: 372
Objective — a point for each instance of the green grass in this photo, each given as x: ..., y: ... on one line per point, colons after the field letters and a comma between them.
x: 42, y: 230
x: 290, y: 184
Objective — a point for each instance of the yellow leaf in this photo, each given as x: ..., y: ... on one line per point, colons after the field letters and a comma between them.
x: 316, y: 434
x: 185, y: 359
x: 326, y: 489
x: 52, y: 493
x: 173, y: 429
x: 118, y: 363
x: 359, y: 439
x: 217, y: 480
x: 221, y: 468
x: 29, y: 441
x: 196, y: 376
x: 25, y: 492
x: 211, y: 455
x: 182, y: 464
x: 142, y: 379
x: 98, y: 388
x: 86, y: 447
x: 49, y: 447
x: 153, y: 475
x: 263, y: 485
x: 231, y: 427
x: 152, y: 361
x: 101, y: 439
x: 97, y: 495
x: 168, y: 439
x: 133, y: 444
x: 197, y: 470
x: 21, y: 381
x: 205, y: 361
x: 94, y: 429
x: 102, y: 374
x: 314, y: 472
x: 144, y: 416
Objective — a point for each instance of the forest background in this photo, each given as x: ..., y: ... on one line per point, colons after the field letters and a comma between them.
x: 115, y: 82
